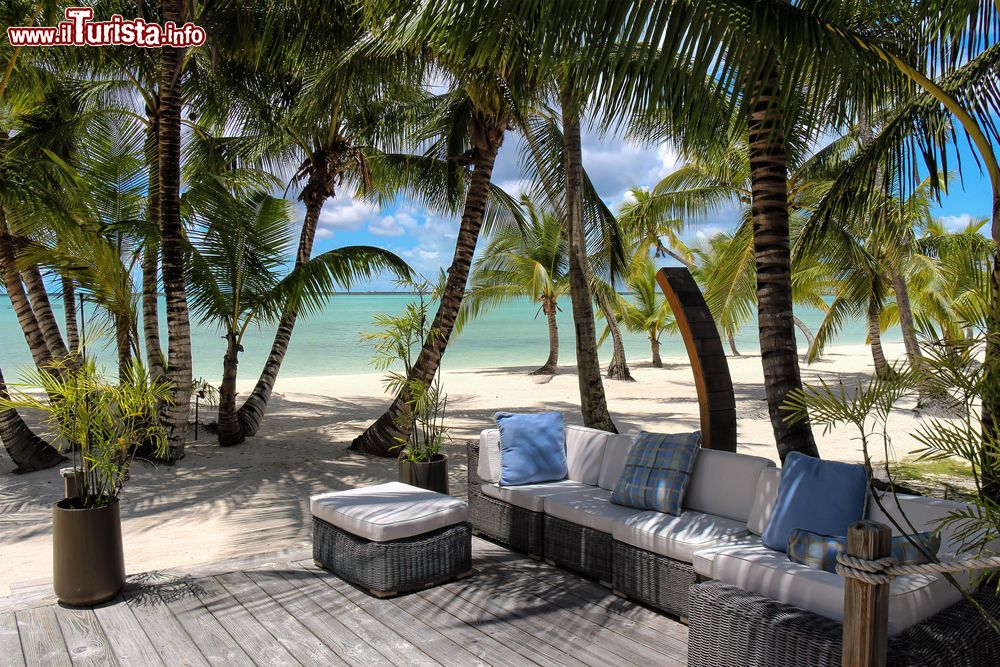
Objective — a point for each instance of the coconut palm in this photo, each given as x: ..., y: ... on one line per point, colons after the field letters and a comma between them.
x: 645, y: 310
x: 237, y: 277
x: 523, y: 263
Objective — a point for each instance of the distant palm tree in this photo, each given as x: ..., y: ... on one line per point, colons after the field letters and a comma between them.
x: 645, y: 309
x: 523, y: 263
x: 237, y: 276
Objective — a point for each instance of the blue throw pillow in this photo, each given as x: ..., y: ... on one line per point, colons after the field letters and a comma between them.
x: 532, y: 448
x: 820, y: 496
x: 657, y: 471
x: 820, y: 551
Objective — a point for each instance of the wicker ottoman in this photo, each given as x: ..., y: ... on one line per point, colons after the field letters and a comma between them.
x: 392, y: 538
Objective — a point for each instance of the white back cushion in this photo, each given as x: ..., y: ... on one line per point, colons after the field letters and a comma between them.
x: 489, y: 455
x: 585, y: 453
x: 924, y: 514
x: 724, y: 483
x: 763, y: 500
x: 615, y: 453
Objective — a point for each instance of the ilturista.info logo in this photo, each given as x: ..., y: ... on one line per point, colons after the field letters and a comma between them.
x: 79, y: 29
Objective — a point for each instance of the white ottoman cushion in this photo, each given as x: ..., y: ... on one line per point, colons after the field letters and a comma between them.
x: 387, y: 512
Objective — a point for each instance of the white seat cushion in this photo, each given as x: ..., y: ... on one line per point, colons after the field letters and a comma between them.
x: 724, y: 483
x: 766, y: 572
x: 489, y: 455
x: 591, y: 508
x: 703, y: 560
x: 763, y: 500
x: 677, y: 537
x: 585, y: 453
x: 387, y: 512
x: 615, y: 454
x: 530, y: 496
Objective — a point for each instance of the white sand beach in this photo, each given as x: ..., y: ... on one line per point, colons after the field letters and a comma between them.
x: 253, y: 498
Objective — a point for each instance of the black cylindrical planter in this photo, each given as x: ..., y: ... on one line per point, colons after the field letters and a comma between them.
x: 431, y: 475
x: 88, y: 565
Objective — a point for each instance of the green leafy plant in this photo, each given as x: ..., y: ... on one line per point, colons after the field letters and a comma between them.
x: 397, y: 342
x: 102, y: 423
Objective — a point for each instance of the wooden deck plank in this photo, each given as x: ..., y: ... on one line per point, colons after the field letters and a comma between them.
x: 254, y: 638
x: 208, y: 634
x: 10, y: 642
x: 324, y: 626
x: 41, y: 640
x: 382, y: 638
x: 163, y: 629
x: 412, y: 629
x: 84, y: 637
x: 127, y: 638
x: 290, y: 633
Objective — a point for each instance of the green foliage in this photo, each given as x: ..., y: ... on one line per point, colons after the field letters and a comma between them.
x: 102, y: 423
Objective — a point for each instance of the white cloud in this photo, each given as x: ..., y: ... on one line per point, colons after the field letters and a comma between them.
x: 954, y: 223
x: 324, y: 233
x: 346, y: 214
x: 396, y: 224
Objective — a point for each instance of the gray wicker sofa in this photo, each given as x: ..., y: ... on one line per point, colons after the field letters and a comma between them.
x: 709, y: 564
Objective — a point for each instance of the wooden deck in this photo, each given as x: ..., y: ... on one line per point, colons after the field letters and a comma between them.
x: 285, y: 611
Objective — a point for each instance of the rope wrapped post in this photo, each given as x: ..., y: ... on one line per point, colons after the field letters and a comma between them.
x: 866, y: 604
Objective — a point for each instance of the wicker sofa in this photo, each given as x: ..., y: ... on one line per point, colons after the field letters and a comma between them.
x: 709, y: 564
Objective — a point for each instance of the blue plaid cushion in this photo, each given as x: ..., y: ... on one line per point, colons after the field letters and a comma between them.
x: 657, y: 471
x: 820, y: 551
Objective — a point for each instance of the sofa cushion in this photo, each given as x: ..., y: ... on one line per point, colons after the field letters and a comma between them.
x: 489, y: 455
x: 532, y: 448
x: 763, y: 500
x: 385, y: 512
x: 821, y: 551
x: 585, y: 453
x: 703, y: 560
x: 925, y: 514
x: 591, y: 508
x: 657, y: 471
x: 767, y: 572
x: 530, y: 496
x: 615, y: 454
x: 724, y: 483
x: 677, y: 537
x: 821, y: 496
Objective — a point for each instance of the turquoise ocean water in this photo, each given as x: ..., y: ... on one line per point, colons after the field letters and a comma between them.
x: 328, y: 343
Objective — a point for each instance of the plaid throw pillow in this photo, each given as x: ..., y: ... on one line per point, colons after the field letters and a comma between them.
x: 657, y: 471
x: 820, y: 551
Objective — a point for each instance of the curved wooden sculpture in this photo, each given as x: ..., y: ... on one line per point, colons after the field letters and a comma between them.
x: 708, y: 360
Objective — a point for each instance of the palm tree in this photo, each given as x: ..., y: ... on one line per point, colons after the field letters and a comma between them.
x: 647, y: 311
x: 523, y: 263
x: 28, y: 451
x: 236, y: 275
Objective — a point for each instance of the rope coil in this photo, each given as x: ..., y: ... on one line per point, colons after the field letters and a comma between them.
x: 884, y: 570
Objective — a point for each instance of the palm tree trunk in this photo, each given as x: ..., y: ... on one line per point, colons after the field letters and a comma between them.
x: 69, y: 305
x: 175, y: 415
x: 392, y: 427
x: 906, y: 324
x: 801, y: 326
x: 151, y: 256
x: 593, y: 402
x: 123, y: 345
x: 769, y: 188
x: 655, y: 346
x: 882, y: 368
x: 989, y: 458
x: 19, y: 299
x: 26, y: 450
x: 732, y: 344
x: 552, y: 363
x: 40, y: 303
x: 230, y: 432
x: 618, y: 368
x: 251, y: 413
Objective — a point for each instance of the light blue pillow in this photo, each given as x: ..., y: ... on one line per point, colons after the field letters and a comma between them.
x: 819, y: 496
x: 532, y: 448
x: 657, y: 471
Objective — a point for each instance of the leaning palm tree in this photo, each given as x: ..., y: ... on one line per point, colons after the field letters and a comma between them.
x: 237, y: 277
x: 523, y: 263
x: 645, y: 310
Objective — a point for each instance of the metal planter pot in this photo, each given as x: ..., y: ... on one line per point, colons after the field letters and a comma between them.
x: 88, y: 565
x: 431, y: 475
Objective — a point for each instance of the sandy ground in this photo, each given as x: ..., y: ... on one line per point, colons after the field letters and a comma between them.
x: 221, y: 503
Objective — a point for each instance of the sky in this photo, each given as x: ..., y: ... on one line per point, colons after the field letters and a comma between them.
x: 426, y: 240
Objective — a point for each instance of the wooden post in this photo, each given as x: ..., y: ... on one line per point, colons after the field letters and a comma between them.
x: 866, y: 606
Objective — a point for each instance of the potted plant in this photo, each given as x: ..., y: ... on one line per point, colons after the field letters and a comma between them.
x: 103, y: 424
x: 396, y: 343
